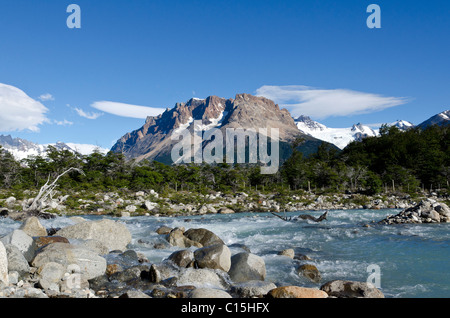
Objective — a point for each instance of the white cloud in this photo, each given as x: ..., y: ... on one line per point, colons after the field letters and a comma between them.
x: 18, y: 111
x: 64, y: 122
x: 87, y: 115
x: 323, y: 103
x: 127, y: 110
x: 46, y: 97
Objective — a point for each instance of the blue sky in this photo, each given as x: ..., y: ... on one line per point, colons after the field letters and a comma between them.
x: 314, y: 57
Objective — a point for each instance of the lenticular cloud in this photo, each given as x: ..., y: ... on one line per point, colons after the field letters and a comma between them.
x: 323, y: 103
x: 18, y: 111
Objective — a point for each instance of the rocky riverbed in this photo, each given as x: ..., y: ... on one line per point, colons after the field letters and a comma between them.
x: 91, y: 259
x: 177, y: 203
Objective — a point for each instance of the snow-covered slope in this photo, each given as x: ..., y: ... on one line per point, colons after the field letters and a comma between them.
x: 21, y: 148
x: 440, y: 119
x: 340, y: 137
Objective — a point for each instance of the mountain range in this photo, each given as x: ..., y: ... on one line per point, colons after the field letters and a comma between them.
x: 153, y: 140
x: 341, y: 137
x: 22, y: 149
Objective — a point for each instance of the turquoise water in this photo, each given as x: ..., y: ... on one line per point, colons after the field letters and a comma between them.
x: 414, y: 260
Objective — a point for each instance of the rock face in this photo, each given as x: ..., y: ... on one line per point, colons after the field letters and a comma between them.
x: 89, y: 263
x: 427, y: 211
x: 350, y: 289
x: 153, y: 140
x: 114, y: 235
x: 247, y: 266
x: 296, y: 292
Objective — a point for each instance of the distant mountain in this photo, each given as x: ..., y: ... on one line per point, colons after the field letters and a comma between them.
x: 402, y: 124
x: 153, y: 140
x: 340, y: 137
x: 21, y: 148
x: 440, y: 119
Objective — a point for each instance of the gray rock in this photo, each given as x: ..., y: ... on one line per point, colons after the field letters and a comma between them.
x: 90, y: 264
x: 203, y: 236
x: 217, y: 256
x: 22, y: 241
x: 16, y: 261
x: 247, y: 266
x: 33, y: 227
x: 287, y: 252
x: 3, y: 265
x: 176, y: 238
x: 182, y: 258
x: 10, y: 201
x: 202, y: 277
x: 164, y: 230
x: 114, y: 235
x: 225, y: 210
x: 310, y: 271
x: 252, y: 288
x: 351, y: 289
x: 134, y: 294
x: 209, y: 293
x: 50, y: 275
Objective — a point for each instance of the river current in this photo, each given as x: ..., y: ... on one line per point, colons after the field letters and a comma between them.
x: 404, y: 260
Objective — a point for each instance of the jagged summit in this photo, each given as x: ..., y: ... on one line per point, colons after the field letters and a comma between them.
x: 152, y: 140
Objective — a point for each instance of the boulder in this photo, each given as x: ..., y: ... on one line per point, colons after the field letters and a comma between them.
x: 3, y: 265
x: 203, y: 236
x: 22, y: 241
x: 9, y: 202
x: 150, y: 206
x: 50, y: 275
x: 90, y: 264
x: 351, y: 289
x: 310, y: 271
x: 16, y: 261
x: 252, y: 288
x: 42, y: 241
x: 182, y: 258
x: 247, y: 266
x: 225, y: 210
x: 33, y: 227
x: 296, y: 292
x: 209, y: 293
x: 164, y: 230
x: 114, y: 235
x: 217, y: 256
x: 177, y: 238
x: 288, y: 252
x: 202, y: 277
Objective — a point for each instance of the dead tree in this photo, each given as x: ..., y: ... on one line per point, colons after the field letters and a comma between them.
x: 47, y: 190
x: 303, y: 217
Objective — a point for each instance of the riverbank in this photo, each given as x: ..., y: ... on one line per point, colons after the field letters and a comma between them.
x: 178, y: 203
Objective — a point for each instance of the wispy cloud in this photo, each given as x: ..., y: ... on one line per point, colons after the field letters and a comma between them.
x: 127, y: 110
x: 323, y: 103
x: 18, y: 111
x: 87, y: 115
x: 64, y: 122
x: 46, y: 97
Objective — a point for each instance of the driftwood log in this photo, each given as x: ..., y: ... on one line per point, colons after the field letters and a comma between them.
x: 302, y: 217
